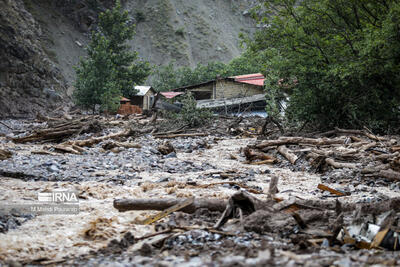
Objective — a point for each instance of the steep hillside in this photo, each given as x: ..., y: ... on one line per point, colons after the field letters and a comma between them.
x: 189, y: 31
x: 29, y: 81
x: 41, y: 41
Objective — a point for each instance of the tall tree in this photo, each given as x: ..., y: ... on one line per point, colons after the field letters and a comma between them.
x: 338, y: 59
x: 111, y: 69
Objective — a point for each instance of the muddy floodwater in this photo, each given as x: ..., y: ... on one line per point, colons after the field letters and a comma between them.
x: 101, y: 235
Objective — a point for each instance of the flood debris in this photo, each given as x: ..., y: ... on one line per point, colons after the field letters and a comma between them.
x: 369, y: 233
x: 168, y: 211
x: 357, y: 151
x: 163, y: 204
x: 221, y: 197
x: 61, y: 130
x: 332, y: 190
x: 5, y: 154
x: 166, y: 148
x: 181, y: 135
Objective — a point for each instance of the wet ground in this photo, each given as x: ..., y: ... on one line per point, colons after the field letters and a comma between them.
x: 100, y: 235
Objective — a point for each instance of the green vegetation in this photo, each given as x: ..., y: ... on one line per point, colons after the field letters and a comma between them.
x: 180, y: 31
x: 140, y: 16
x: 169, y: 77
x: 110, y: 70
x: 189, y: 114
x: 338, y: 60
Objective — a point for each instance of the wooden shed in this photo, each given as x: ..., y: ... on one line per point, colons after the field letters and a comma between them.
x: 144, y: 98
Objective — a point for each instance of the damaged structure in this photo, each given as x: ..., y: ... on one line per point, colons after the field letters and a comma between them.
x: 234, y: 92
x: 143, y: 100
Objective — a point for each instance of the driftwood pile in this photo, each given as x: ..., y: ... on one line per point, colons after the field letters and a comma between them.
x: 61, y: 130
x: 360, y: 151
x: 318, y: 221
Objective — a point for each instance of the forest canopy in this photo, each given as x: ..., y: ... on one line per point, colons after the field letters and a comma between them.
x: 337, y: 59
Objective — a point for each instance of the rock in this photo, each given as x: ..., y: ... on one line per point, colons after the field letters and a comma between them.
x: 146, y: 250
x: 171, y: 155
x: 129, y: 165
x: 166, y: 148
x: 53, y: 168
x: 29, y: 68
x: 163, y: 180
x: 262, y: 221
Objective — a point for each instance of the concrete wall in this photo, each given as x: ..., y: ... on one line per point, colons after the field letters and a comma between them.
x: 229, y: 89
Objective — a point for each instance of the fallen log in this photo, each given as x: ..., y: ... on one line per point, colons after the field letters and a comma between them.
x: 360, y: 132
x: 267, y: 161
x: 368, y: 146
x: 349, y: 154
x: 389, y: 174
x: 111, y: 144
x: 340, y: 165
x: 181, y: 135
x: 60, y: 131
x: 289, y: 155
x: 385, y: 157
x: 251, y: 190
x: 352, y: 132
x: 375, y: 169
x: 176, y: 131
x: 95, y: 140
x: 358, y: 144
x: 395, y: 148
x: 162, y: 204
x: 251, y: 154
x: 43, y: 152
x: 78, y: 148
x: 66, y: 149
x: 300, y: 140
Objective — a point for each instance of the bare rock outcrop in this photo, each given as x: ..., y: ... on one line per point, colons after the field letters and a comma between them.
x: 29, y: 80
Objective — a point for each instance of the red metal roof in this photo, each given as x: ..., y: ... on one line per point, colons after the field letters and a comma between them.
x: 171, y: 94
x: 255, y: 78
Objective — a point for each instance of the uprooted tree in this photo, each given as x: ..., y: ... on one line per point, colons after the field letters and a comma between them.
x: 111, y: 69
x: 338, y: 60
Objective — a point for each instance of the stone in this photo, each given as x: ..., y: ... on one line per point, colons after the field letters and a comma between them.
x: 171, y: 155
x: 53, y: 168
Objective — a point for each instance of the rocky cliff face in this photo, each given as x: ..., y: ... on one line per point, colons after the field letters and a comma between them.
x: 29, y: 81
x: 41, y: 41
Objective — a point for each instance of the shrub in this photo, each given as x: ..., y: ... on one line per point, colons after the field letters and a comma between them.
x: 140, y: 16
x: 190, y: 114
x: 180, y: 31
